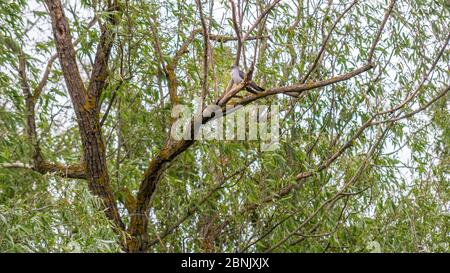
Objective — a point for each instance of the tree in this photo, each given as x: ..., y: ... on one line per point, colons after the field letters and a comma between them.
x: 87, y: 92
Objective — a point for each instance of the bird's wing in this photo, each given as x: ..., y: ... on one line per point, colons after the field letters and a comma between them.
x: 241, y: 74
x: 256, y: 87
x: 251, y: 89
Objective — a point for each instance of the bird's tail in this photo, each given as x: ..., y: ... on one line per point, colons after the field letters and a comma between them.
x: 254, y: 88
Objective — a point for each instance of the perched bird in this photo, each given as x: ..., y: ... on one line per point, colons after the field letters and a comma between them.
x: 238, y: 76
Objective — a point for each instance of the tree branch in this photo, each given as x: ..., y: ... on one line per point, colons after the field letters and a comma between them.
x: 420, y: 109
x: 380, y: 30
x: 100, y: 68
x: 299, y: 88
x: 205, y: 53
x: 237, y: 32
x: 40, y: 165
x: 86, y: 112
x: 258, y: 20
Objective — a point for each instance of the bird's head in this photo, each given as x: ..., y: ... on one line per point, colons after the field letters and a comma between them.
x: 234, y: 67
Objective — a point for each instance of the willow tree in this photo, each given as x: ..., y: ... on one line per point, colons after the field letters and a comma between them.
x: 88, y: 161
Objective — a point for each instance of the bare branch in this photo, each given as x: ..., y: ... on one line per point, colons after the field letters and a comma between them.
x: 299, y: 88
x: 205, y: 52
x: 226, y: 38
x: 380, y: 30
x: 76, y: 171
x: 38, y: 90
x: 16, y: 165
x: 237, y: 32
x: 100, y: 67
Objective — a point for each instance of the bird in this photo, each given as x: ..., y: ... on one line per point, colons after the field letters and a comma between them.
x: 238, y: 76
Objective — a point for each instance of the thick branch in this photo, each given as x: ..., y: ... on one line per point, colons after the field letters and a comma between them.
x: 71, y: 171
x: 39, y: 88
x: 39, y: 163
x: 299, y: 88
x: 100, y: 69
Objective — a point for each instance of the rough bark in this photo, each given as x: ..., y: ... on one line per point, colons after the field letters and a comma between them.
x: 87, y: 113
